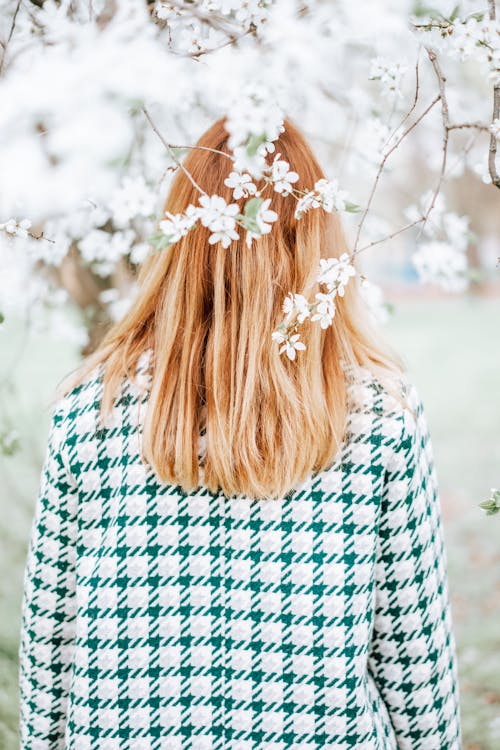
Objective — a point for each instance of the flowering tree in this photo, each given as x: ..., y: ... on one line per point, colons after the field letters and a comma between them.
x: 102, y: 98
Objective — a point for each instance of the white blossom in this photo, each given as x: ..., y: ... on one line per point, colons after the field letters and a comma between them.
x: 254, y: 121
x: 390, y: 73
x: 443, y: 264
x: 441, y: 224
x: 133, y: 198
x: 296, y: 305
x: 176, y: 226
x: 139, y: 252
x: 472, y: 38
x: 241, y: 183
x: 264, y: 218
x: 282, y: 177
x: 325, y: 309
x: 290, y: 344
x: 335, y: 273
x: 330, y: 195
x: 16, y: 228
x: 255, y: 114
x: 220, y: 218
x: 307, y: 201
x: 326, y: 194
x: 165, y: 12
x: 103, y: 250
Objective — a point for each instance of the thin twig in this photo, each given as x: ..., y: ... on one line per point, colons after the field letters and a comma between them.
x: 445, y: 117
x: 11, y: 32
x: 389, y: 236
x: 211, y: 19
x: 473, y: 125
x: 414, y: 104
x: 209, y: 50
x: 204, y: 148
x: 492, y: 155
x: 172, y: 153
x: 383, y: 163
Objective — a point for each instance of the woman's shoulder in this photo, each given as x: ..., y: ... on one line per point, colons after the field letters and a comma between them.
x: 386, y: 402
x: 83, y: 400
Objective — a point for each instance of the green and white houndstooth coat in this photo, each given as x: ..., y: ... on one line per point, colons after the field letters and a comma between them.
x: 159, y: 620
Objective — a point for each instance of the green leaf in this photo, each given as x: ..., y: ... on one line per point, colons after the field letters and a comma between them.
x: 252, y: 207
x: 352, y: 208
x: 390, y: 308
x: 159, y: 241
x: 491, y: 506
x: 248, y: 218
x: 475, y: 274
x: 9, y: 443
x: 454, y: 13
x: 2, y: 318
x: 421, y: 10
x: 254, y: 142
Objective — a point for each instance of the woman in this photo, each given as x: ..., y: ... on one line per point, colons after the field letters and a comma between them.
x: 232, y: 549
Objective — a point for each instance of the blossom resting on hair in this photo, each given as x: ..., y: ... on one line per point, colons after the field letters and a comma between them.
x: 334, y: 274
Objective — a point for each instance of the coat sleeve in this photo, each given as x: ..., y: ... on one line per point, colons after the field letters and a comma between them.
x: 412, y: 653
x: 48, y: 604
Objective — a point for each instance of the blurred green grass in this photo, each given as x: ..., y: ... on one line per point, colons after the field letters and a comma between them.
x: 452, y: 350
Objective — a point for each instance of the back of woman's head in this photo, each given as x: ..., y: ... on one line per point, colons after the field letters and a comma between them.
x: 208, y: 312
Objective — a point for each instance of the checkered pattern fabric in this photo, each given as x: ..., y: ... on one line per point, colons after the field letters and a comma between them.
x: 154, y: 619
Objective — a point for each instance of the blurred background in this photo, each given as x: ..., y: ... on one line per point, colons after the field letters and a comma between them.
x: 83, y: 168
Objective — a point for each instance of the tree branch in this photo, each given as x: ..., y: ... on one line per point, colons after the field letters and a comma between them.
x: 383, y: 163
x: 11, y: 32
x: 445, y: 118
x: 172, y: 154
x: 492, y: 155
x: 474, y: 125
x: 389, y: 236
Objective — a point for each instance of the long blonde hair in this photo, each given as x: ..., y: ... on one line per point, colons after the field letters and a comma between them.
x: 208, y: 313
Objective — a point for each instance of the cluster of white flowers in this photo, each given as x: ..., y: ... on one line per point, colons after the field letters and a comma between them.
x: 326, y: 194
x: 441, y: 258
x: 220, y: 218
x: 16, y: 228
x: 103, y: 235
x: 390, y: 73
x: 334, y: 274
x: 254, y: 122
x: 134, y: 198
x: 176, y: 226
x: 476, y: 37
x: 439, y: 263
x: 102, y: 250
x: 93, y: 182
x: 278, y: 174
x: 282, y: 176
x: 191, y: 32
x: 241, y: 184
